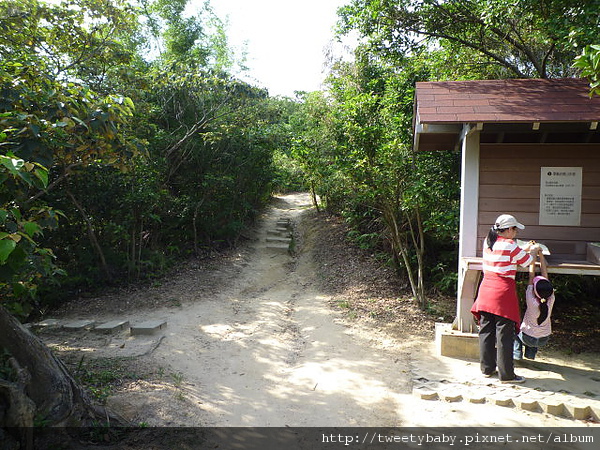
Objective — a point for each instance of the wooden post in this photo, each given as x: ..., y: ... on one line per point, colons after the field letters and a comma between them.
x: 469, y: 209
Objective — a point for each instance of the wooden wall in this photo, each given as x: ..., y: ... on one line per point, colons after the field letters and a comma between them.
x: 509, y: 182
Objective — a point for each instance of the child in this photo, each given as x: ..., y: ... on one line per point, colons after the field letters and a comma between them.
x: 535, y: 327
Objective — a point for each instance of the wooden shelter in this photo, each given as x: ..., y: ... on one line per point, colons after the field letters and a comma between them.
x: 529, y: 147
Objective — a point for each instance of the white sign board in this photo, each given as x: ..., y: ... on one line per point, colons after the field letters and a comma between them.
x: 560, y: 196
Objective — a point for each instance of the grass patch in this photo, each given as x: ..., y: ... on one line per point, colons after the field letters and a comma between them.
x: 103, y: 376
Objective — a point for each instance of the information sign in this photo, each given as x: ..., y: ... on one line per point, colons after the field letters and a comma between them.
x: 560, y: 196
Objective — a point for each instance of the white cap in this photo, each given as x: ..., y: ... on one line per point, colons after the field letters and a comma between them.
x: 506, y: 221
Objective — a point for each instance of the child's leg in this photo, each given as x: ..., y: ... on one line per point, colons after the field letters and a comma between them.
x: 517, y: 348
x: 530, y: 352
x: 531, y: 345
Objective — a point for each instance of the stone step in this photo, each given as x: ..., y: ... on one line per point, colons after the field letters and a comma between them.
x: 149, y: 327
x: 284, y: 223
x: 279, y: 232
x: 79, y: 325
x: 281, y: 240
x: 113, y: 326
x: 278, y: 247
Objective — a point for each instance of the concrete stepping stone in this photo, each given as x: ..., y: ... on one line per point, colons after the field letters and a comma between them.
x: 553, y: 406
x: 451, y: 396
x: 48, y: 323
x: 579, y: 411
x: 149, y: 327
x: 112, y: 326
x: 79, y: 325
x: 426, y: 394
x: 528, y: 404
x: 560, y: 404
x: 502, y: 401
x: 474, y: 398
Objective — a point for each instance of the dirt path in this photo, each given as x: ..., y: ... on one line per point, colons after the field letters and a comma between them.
x: 268, y: 350
x: 259, y: 344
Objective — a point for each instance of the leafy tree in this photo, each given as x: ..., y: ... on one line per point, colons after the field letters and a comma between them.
x: 58, y: 124
x: 313, y: 144
x: 22, y: 260
x: 74, y: 40
x: 147, y: 218
x: 355, y: 146
x: 525, y: 38
x: 47, y: 120
x: 40, y: 387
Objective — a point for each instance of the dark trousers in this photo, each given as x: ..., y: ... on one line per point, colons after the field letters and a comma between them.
x: 496, y: 337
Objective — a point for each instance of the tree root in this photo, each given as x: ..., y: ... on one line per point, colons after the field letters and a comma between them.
x: 17, y: 410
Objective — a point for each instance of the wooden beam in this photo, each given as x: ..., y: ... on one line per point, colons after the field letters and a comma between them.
x: 566, y: 267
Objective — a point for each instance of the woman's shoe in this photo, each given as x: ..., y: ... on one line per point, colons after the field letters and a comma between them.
x: 516, y: 380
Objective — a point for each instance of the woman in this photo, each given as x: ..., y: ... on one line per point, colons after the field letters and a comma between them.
x: 497, y: 305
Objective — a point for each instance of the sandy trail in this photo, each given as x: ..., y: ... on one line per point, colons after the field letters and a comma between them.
x: 269, y: 350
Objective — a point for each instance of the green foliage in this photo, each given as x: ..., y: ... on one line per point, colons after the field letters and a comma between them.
x: 45, y: 123
x: 525, y: 38
x: 289, y: 175
x: 354, y: 146
x: 589, y: 64
x: 22, y: 261
x: 51, y: 122
x: 75, y: 40
x: 185, y: 169
x: 571, y: 289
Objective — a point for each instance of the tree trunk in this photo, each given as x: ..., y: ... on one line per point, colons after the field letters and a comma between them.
x: 45, y: 389
x: 91, y: 234
x: 195, y: 227
x: 314, y: 196
x: 401, y: 248
x: 418, y: 238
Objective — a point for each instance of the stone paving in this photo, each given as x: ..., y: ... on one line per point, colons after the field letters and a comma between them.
x: 561, y: 386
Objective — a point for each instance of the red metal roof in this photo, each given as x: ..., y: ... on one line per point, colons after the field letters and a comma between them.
x: 514, y: 100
